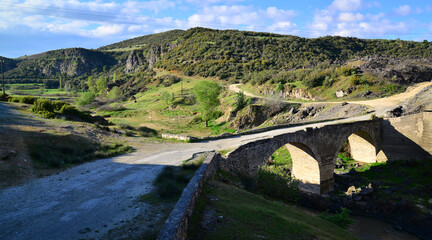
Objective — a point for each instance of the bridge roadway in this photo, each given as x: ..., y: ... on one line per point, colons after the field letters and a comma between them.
x: 88, y: 200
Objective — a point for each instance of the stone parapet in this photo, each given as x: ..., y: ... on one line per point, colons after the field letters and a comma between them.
x: 176, y: 225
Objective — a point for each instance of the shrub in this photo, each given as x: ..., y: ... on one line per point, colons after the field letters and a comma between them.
x: 43, y: 107
x: 126, y: 127
x: 58, y: 105
x: 194, y: 164
x: 147, y: 132
x: 392, y: 88
x: 276, y: 183
x: 85, y: 99
x: 346, y: 71
x: 341, y: 219
x: 115, y: 93
x: 354, y: 80
x: 241, y: 101
x: 129, y: 133
x: 28, y: 99
x: 14, y: 99
x: 169, y: 183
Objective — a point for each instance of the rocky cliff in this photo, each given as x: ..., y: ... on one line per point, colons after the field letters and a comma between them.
x: 404, y: 70
x: 67, y: 62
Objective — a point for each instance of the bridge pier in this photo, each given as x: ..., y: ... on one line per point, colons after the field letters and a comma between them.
x: 427, y: 129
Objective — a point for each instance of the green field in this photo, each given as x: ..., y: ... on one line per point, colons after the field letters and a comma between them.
x: 152, y: 111
x: 34, y: 89
x: 228, y: 212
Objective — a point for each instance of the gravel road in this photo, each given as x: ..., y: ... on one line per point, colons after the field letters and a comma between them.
x: 88, y: 200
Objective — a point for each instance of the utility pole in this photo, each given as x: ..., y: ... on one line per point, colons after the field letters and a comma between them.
x: 4, y: 91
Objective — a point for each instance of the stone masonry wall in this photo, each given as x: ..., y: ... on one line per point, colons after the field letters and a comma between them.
x: 403, y: 138
x: 176, y: 225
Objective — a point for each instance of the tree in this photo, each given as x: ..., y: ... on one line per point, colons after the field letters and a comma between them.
x: 114, y: 77
x: 85, y: 99
x: 91, y: 85
x: 168, y: 98
x: 240, y: 101
x: 115, y: 93
x: 101, y: 85
x: 207, y: 94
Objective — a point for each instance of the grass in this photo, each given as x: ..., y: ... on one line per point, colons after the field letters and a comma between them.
x: 57, y: 151
x: 170, y: 183
x: 168, y: 186
x: 227, y: 212
x: 224, y: 152
x: 282, y: 157
x: 151, y: 110
x: 33, y: 89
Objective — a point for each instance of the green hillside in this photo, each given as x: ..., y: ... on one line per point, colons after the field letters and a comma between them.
x: 280, y: 62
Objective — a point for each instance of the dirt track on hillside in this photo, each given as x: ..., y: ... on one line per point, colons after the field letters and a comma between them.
x: 380, y: 105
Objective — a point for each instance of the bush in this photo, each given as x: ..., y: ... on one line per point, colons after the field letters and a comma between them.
x: 341, y: 219
x: 42, y: 105
x: 147, y: 132
x: 126, y: 127
x: 169, y: 183
x: 14, y: 99
x: 354, y: 80
x: 58, y: 105
x: 28, y: 99
x: 85, y: 99
x: 115, y: 93
x: 4, y: 97
x: 276, y: 183
x: 24, y: 99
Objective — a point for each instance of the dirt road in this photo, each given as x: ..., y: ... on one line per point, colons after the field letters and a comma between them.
x: 89, y: 200
x: 380, y: 105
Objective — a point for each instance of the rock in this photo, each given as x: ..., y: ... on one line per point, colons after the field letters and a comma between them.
x: 352, y: 191
x: 396, y: 112
x: 339, y: 163
x: 344, y: 103
x: 357, y: 198
x: 340, y: 94
x: 367, y: 93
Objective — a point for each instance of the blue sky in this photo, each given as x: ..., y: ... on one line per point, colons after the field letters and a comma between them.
x: 33, y: 26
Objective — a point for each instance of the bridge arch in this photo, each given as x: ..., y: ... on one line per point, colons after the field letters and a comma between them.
x: 314, y: 151
x: 305, y: 166
x: 362, y: 146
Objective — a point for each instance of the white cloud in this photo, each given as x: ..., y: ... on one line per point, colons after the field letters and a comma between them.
x: 84, y: 18
x: 247, y: 17
x: 404, y: 10
x: 107, y: 30
x: 282, y: 27
x: 224, y: 16
x: 212, y: 2
x: 340, y: 19
x: 347, y: 5
x: 280, y: 14
x: 350, y: 17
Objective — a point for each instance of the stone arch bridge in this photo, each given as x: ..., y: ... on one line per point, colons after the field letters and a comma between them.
x: 314, y: 150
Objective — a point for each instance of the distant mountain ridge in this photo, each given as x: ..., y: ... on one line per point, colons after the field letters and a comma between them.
x: 227, y: 54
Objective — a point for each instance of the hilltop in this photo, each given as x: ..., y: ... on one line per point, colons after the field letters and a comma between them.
x: 232, y: 55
